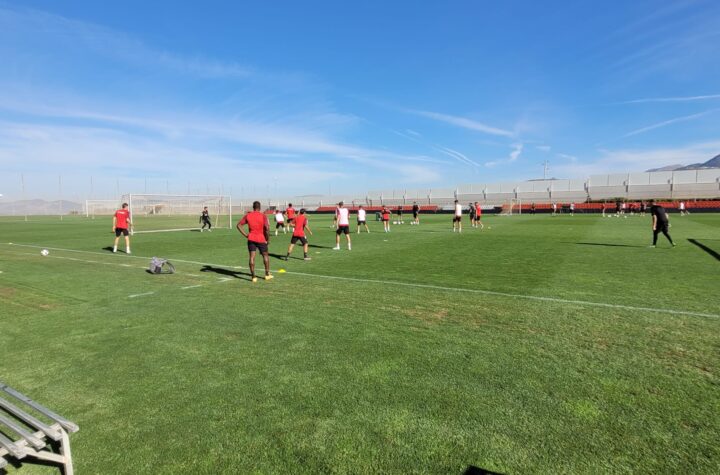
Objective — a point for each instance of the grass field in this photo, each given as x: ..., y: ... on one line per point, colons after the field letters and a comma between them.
x: 543, y: 345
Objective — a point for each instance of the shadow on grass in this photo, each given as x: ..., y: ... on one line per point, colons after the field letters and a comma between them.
x: 702, y: 246
x: 227, y: 272
x: 605, y: 244
x: 276, y: 256
x: 317, y: 246
x: 473, y: 470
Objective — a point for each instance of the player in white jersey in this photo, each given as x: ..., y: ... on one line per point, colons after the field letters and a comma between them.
x: 280, y: 222
x: 457, y: 217
x: 342, y: 215
x: 362, y: 219
x: 683, y: 209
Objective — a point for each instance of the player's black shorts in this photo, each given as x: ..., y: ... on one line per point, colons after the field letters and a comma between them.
x: 121, y: 231
x: 258, y: 246
x: 360, y: 223
x: 291, y: 220
x: 385, y: 220
x: 343, y: 230
x: 660, y: 226
x: 279, y: 225
x: 295, y: 239
x: 457, y: 219
x: 415, y: 215
x: 399, y: 213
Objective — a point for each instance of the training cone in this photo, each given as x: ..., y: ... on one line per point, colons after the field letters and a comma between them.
x: 281, y: 271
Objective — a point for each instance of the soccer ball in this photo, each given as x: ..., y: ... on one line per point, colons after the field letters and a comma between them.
x: 44, y: 252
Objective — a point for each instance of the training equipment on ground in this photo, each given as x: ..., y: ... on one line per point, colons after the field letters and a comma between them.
x: 281, y: 271
x: 44, y: 252
x: 158, y: 213
x: 159, y: 265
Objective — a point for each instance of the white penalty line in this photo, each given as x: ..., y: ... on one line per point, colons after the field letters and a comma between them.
x: 509, y: 295
x: 433, y: 287
x: 140, y: 295
x: 125, y: 255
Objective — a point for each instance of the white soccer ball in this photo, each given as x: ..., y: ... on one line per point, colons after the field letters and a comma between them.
x: 44, y: 252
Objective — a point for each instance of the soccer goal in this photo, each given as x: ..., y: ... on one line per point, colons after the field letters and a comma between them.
x: 158, y: 213
x: 511, y: 207
x: 101, y: 208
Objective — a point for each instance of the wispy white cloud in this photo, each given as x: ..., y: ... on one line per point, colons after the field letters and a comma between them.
x: 92, y: 37
x: 462, y: 122
x: 458, y: 156
x: 517, y: 149
x: 672, y: 99
x: 638, y: 160
x: 543, y: 148
x: 565, y: 156
x: 669, y: 122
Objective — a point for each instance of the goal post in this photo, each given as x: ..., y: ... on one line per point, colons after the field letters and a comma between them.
x: 101, y: 208
x: 511, y: 207
x: 159, y: 212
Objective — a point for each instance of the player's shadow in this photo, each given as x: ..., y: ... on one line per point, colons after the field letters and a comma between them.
x: 605, y: 244
x: 230, y: 273
x: 702, y: 246
x: 108, y: 248
x: 276, y: 256
x: 317, y: 246
x: 473, y: 470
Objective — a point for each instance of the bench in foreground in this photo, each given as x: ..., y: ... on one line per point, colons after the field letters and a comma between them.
x: 31, y: 437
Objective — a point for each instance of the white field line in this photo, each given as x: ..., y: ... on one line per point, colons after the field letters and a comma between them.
x: 191, y: 287
x: 140, y: 295
x: 509, y: 295
x: 125, y: 255
x: 438, y: 287
x: 87, y: 261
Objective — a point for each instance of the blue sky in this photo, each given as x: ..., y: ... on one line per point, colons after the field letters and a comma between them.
x: 318, y: 97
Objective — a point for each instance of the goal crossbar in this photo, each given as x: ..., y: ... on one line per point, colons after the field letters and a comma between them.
x: 177, y: 212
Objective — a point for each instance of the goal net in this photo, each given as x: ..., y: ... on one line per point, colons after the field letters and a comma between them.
x: 511, y: 207
x: 157, y: 213
x: 101, y: 208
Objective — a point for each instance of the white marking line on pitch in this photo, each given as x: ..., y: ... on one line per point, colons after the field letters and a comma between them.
x: 429, y: 286
x: 140, y: 295
x: 75, y: 259
x: 515, y: 296
x: 106, y: 253
x: 191, y: 287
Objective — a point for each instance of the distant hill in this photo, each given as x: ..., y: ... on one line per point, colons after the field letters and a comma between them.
x: 39, y: 207
x: 712, y: 163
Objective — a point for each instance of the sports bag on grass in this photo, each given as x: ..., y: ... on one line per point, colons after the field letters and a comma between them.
x: 161, y: 266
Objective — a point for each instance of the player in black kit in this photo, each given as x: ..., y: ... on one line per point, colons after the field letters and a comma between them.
x: 205, y: 220
x: 660, y: 222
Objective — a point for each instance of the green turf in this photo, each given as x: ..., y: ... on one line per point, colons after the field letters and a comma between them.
x: 310, y: 373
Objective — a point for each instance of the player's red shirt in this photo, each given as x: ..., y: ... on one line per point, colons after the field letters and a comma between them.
x: 122, y: 216
x: 290, y: 213
x: 386, y: 214
x: 257, y: 224
x: 300, y: 223
x: 478, y: 210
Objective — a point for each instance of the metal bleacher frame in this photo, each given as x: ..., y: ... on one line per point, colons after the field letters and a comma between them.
x: 663, y: 185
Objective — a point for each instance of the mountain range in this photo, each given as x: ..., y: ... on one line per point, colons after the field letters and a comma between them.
x: 712, y: 163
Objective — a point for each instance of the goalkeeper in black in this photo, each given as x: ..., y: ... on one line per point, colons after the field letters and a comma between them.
x: 205, y: 220
x: 660, y: 222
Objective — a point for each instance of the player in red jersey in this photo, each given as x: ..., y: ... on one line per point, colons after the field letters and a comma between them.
x: 386, y: 219
x: 290, y: 213
x: 258, y: 237
x: 301, y: 224
x: 121, y: 224
x: 478, y: 216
